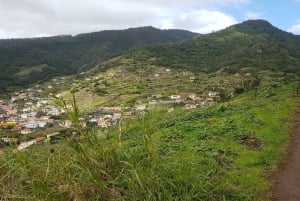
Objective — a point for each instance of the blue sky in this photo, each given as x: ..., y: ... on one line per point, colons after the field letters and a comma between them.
x: 36, y: 18
x: 282, y: 14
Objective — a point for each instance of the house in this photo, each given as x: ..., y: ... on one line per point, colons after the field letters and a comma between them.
x: 14, y: 99
x: 209, y: 100
x: 127, y: 114
x: 42, y: 124
x: 167, y: 101
x: 46, y: 118
x: 192, y: 79
x: 26, y: 131
x: 3, y: 113
x: 10, y: 140
x: 213, y: 94
x: 54, y: 112
x: 24, y: 116
x: 112, y: 123
x: 190, y: 106
x: 175, y: 97
x: 23, y: 96
x: 153, y: 102
x: 29, y: 103
x: 107, y: 116
x: 38, y: 139
x: 68, y: 123
x: 102, y: 122
x: 28, y: 109
x: 24, y: 145
x: 141, y: 107
x: 93, y: 120
x: 32, y: 114
x: 10, y: 109
x: 41, y: 103
x: 116, y: 116
x: 110, y: 109
x: 32, y: 124
x: 51, y: 110
x: 7, y: 124
x: 192, y: 96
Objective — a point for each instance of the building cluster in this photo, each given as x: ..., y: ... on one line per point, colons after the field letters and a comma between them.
x: 190, y: 101
x: 27, y: 111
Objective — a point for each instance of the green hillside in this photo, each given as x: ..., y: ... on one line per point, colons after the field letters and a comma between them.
x: 222, y: 152
x: 62, y: 55
x: 224, y: 148
x: 251, y: 44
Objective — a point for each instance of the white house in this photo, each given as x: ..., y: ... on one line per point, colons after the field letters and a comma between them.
x: 141, y: 107
x: 213, y: 93
x: 42, y: 124
x: 26, y: 131
x: 175, y: 97
x: 32, y: 124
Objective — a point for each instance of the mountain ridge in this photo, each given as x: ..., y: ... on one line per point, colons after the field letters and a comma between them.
x: 253, y: 43
x: 65, y: 55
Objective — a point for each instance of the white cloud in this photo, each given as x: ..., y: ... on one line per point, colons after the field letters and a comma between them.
x: 28, y: 18
x: 203, y: 21
x: 295, y: 29
x: 252, y: 15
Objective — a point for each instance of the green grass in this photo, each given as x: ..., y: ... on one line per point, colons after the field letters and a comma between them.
x: 223, y: 152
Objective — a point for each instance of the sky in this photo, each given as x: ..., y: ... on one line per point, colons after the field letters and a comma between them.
x: 38, y: 18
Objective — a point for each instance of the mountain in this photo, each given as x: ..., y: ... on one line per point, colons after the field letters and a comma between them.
x: 26, y: 61
x: 254, y: 44
x: 251, y: 44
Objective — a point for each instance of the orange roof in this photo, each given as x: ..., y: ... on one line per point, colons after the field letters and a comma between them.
x: 39, y: 139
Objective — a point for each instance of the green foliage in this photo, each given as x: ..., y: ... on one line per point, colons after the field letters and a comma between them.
x: 217, y: 153
x: 63, y: 55
x: 254, y: 43
x: 72, y: 113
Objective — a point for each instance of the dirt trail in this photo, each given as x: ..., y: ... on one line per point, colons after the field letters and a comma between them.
x: 287, y: 178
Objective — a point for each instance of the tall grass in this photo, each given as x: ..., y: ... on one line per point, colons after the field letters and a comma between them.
x: 198, y: 155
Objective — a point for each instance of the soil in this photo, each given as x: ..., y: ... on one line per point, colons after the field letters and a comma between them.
x: 251, y: 142
x: 287, y: 178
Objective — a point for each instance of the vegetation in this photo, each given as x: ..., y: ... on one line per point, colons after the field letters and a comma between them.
x: 27, y: 61
x: 219, y: 153
x: 251, y: 44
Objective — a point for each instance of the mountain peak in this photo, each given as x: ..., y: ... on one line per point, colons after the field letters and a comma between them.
x: 257, y: 27
x: 258, y: 22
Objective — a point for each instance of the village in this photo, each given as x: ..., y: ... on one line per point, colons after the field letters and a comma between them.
x: 28, y: 111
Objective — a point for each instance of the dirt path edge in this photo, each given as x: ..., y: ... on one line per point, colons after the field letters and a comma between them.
x: 286, y: 179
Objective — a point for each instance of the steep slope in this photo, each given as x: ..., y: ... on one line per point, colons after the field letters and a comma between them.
x: 21, y: 59
x: 253, y: 43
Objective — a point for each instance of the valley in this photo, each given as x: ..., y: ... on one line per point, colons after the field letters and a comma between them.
x: 206, y: 118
